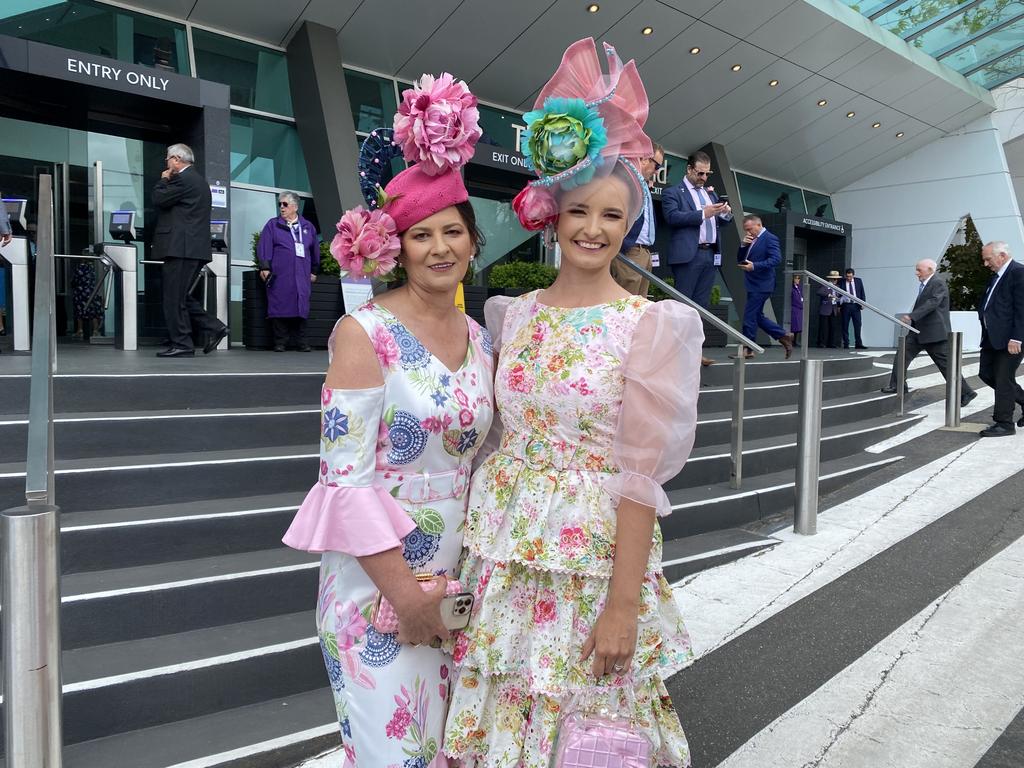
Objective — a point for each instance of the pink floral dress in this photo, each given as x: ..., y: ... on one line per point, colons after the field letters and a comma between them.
x: 395, y: 464
x: 598, y: 404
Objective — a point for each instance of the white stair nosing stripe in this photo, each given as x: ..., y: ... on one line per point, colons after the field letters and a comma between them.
x: 194, y: 375
x: 187, y: 666
x: 167, y: 416
x: 170, y: 464
x: 755, y: 492
x: 722, y: 551
x: 181, y: 519
x: 260, y: 747
x: 728, y: 420
x: 864, y: 431
x: 783, y: 385
x: 188, y: 582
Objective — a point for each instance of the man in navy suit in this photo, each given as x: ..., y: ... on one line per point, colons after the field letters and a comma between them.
x: 851, y: 309
x: 1001, y: 311
x: 639, y: 240
x: 759, y: 256
x: 693, y: 213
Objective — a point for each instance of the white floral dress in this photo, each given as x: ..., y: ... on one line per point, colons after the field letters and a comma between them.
x: 598, y: 404
x: 394, y: 472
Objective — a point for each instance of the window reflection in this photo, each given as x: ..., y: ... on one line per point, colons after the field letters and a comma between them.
x: 267, y: 153
x: 258, y: 76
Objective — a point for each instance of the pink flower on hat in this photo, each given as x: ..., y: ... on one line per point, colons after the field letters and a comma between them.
x: 367, y: 242
x: 536, y: 208
x: 437, y: 123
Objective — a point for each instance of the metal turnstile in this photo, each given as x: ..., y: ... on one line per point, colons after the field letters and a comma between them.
x: 18, y: 254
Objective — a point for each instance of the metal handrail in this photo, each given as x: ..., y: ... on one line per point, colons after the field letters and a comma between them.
x: 29, y: 566
x: 725, y: 328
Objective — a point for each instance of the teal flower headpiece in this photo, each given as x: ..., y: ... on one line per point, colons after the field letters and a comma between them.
x: 565, y: 133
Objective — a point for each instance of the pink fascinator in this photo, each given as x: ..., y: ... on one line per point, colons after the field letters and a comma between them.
x: 436, y: 129
x: 584, y: 124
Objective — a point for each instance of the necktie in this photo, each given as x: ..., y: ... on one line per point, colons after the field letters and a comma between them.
x: 920, y: 289
x: 991, y: 290
x: 707, y: 234
x: 850, y: 289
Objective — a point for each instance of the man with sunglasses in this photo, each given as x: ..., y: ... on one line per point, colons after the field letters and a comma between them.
x: 693, y: 212
x: 637, y: 245
x: 182, y: 241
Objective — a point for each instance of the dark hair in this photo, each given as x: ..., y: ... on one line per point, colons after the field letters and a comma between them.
x: 469, y: 219
x: 752, y: 217
x: 698, y: 157
x: 851, y: 271
x: 657, y: 148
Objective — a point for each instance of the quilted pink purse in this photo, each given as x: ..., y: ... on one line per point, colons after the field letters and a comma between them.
x: 588, y: 740
x: 384, y: 619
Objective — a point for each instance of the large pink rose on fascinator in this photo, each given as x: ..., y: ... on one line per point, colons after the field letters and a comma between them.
x: 366, y: 243
x: 437, y: 124
x: 536, y: 207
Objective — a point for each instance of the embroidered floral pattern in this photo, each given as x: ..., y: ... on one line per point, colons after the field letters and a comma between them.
x: 408, y: 438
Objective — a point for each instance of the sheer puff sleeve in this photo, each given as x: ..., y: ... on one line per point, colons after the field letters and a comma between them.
x: 347, y: 511
x: 658, y: 417
x: 495, y: 309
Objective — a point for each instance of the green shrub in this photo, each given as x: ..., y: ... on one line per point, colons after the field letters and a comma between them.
x: 529, y: 275
x: 655, y: 293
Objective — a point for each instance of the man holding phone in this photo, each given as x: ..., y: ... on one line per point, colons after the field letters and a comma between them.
x: 693, y: 212
x: 759, y: 256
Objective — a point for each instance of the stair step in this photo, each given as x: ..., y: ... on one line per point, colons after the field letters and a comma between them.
x: 760, y: 371
x: 777, y: 393
x: 692, y: 554
x: 122, y: 604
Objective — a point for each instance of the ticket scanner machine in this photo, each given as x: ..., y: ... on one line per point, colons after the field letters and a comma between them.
x: 218, y: 268
x: 122, y: 259
x: 18, y: 254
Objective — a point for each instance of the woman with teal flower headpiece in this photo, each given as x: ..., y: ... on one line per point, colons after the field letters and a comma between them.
x: 597, y: 392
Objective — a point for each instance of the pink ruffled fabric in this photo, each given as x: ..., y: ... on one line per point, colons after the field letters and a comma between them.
x: 358, y: 521
x: 658, y: 418
x: 494, y: 317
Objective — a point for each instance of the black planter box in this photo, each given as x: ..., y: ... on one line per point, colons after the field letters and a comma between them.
x: 712, y: 336
x: 325, y: 307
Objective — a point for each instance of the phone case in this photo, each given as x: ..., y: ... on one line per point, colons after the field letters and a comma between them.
x: 384, y: 619
x: 456, y: 610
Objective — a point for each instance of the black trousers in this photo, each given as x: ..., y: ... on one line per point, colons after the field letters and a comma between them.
x: 851, y: 312
x: 288, y: 328
x: 998, y: 369
x: 828, y: 329
x: 938, y: 351
x: 184, y: 314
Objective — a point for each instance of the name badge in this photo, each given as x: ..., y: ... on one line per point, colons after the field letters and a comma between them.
x: 718, y: 259
x: 300, y: 250
x: 655, y: 259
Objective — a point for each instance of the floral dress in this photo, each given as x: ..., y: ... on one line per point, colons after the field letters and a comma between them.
x: 598, y: 404
x: 394, y: 472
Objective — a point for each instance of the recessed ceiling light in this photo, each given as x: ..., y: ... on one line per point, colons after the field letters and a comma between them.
x: 593, y: 8
x: 876, y: 125
x: 773, y: 83
x: 695, y: 50
x: 899, y: 135
x: 850, y: 114
x: 647, y: 31
x: 737, y: 67
x: 822, y: 102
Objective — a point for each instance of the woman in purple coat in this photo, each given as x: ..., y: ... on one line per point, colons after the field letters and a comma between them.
x: 796, y: 314
x: 289, y: 255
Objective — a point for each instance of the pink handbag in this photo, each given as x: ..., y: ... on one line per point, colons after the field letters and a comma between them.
x: 592, y: 737
x: 384, y: 619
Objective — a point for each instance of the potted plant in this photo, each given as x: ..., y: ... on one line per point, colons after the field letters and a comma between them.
x: 967, y: 279
x: 518, y: 277
x: 713, y: 337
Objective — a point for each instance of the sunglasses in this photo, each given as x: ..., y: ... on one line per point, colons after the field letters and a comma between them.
x: 283, y: 204
x: 657, y: 165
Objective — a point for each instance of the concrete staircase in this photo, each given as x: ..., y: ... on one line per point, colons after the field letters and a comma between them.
x: 188, y: 628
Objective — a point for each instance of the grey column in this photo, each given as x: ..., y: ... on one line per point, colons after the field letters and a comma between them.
x: 323, y: 118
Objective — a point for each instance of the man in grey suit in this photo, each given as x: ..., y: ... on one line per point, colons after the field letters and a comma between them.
x: 930, y: 316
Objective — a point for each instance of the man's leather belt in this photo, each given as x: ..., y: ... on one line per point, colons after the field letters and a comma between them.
x: 705, y: 246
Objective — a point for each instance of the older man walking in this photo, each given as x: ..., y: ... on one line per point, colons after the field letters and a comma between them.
x: 930, y: 316
x: 1001, y: 312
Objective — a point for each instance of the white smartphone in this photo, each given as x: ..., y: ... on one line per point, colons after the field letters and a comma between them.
x: 456, y: 610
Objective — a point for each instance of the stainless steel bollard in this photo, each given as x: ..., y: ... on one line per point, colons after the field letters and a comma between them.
x: 901, y: 370
x: 739, y: 377
x: 31, y: 637
x: 954, y: 377
x: 808, y: 448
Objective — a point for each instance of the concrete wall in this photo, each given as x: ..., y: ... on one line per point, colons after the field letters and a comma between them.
x: 909, y: 210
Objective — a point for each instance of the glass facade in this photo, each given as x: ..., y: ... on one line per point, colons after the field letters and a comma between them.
x: 372, y: 99
x: 764, y: 196
x: 258, y: 76
x: 980, y: 39
x: 267, y: 153
x: 89, y: 27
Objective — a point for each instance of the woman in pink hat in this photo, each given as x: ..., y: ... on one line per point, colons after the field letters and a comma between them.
x: 597, y: 392
x: 405, y: 407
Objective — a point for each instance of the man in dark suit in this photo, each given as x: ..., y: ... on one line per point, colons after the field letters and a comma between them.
x: 637, y: 245
x: 851, y: 309
x: 1001, y: 311
x: 182, y: 242
x: 693, y: 213
x: 759, y: 255
x: 828, y: 312
x: 930, y: 316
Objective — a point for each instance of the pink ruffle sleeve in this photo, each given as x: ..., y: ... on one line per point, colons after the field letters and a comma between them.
x: 347, y: 511
x: 658, y: 418
x: 495, y: 309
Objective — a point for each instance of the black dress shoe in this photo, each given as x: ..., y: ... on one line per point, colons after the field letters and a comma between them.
x: 214, y: 340
x: 177, y: 352
x: 998, y: 430
x: 891, y: 390
x: 1020, y: 422
x: 966, y: 398
x: 305, y: 348
x: 279, y: 347
x: 860, y: 346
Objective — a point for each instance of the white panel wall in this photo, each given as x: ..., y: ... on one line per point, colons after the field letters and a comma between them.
x: 908, y: 211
